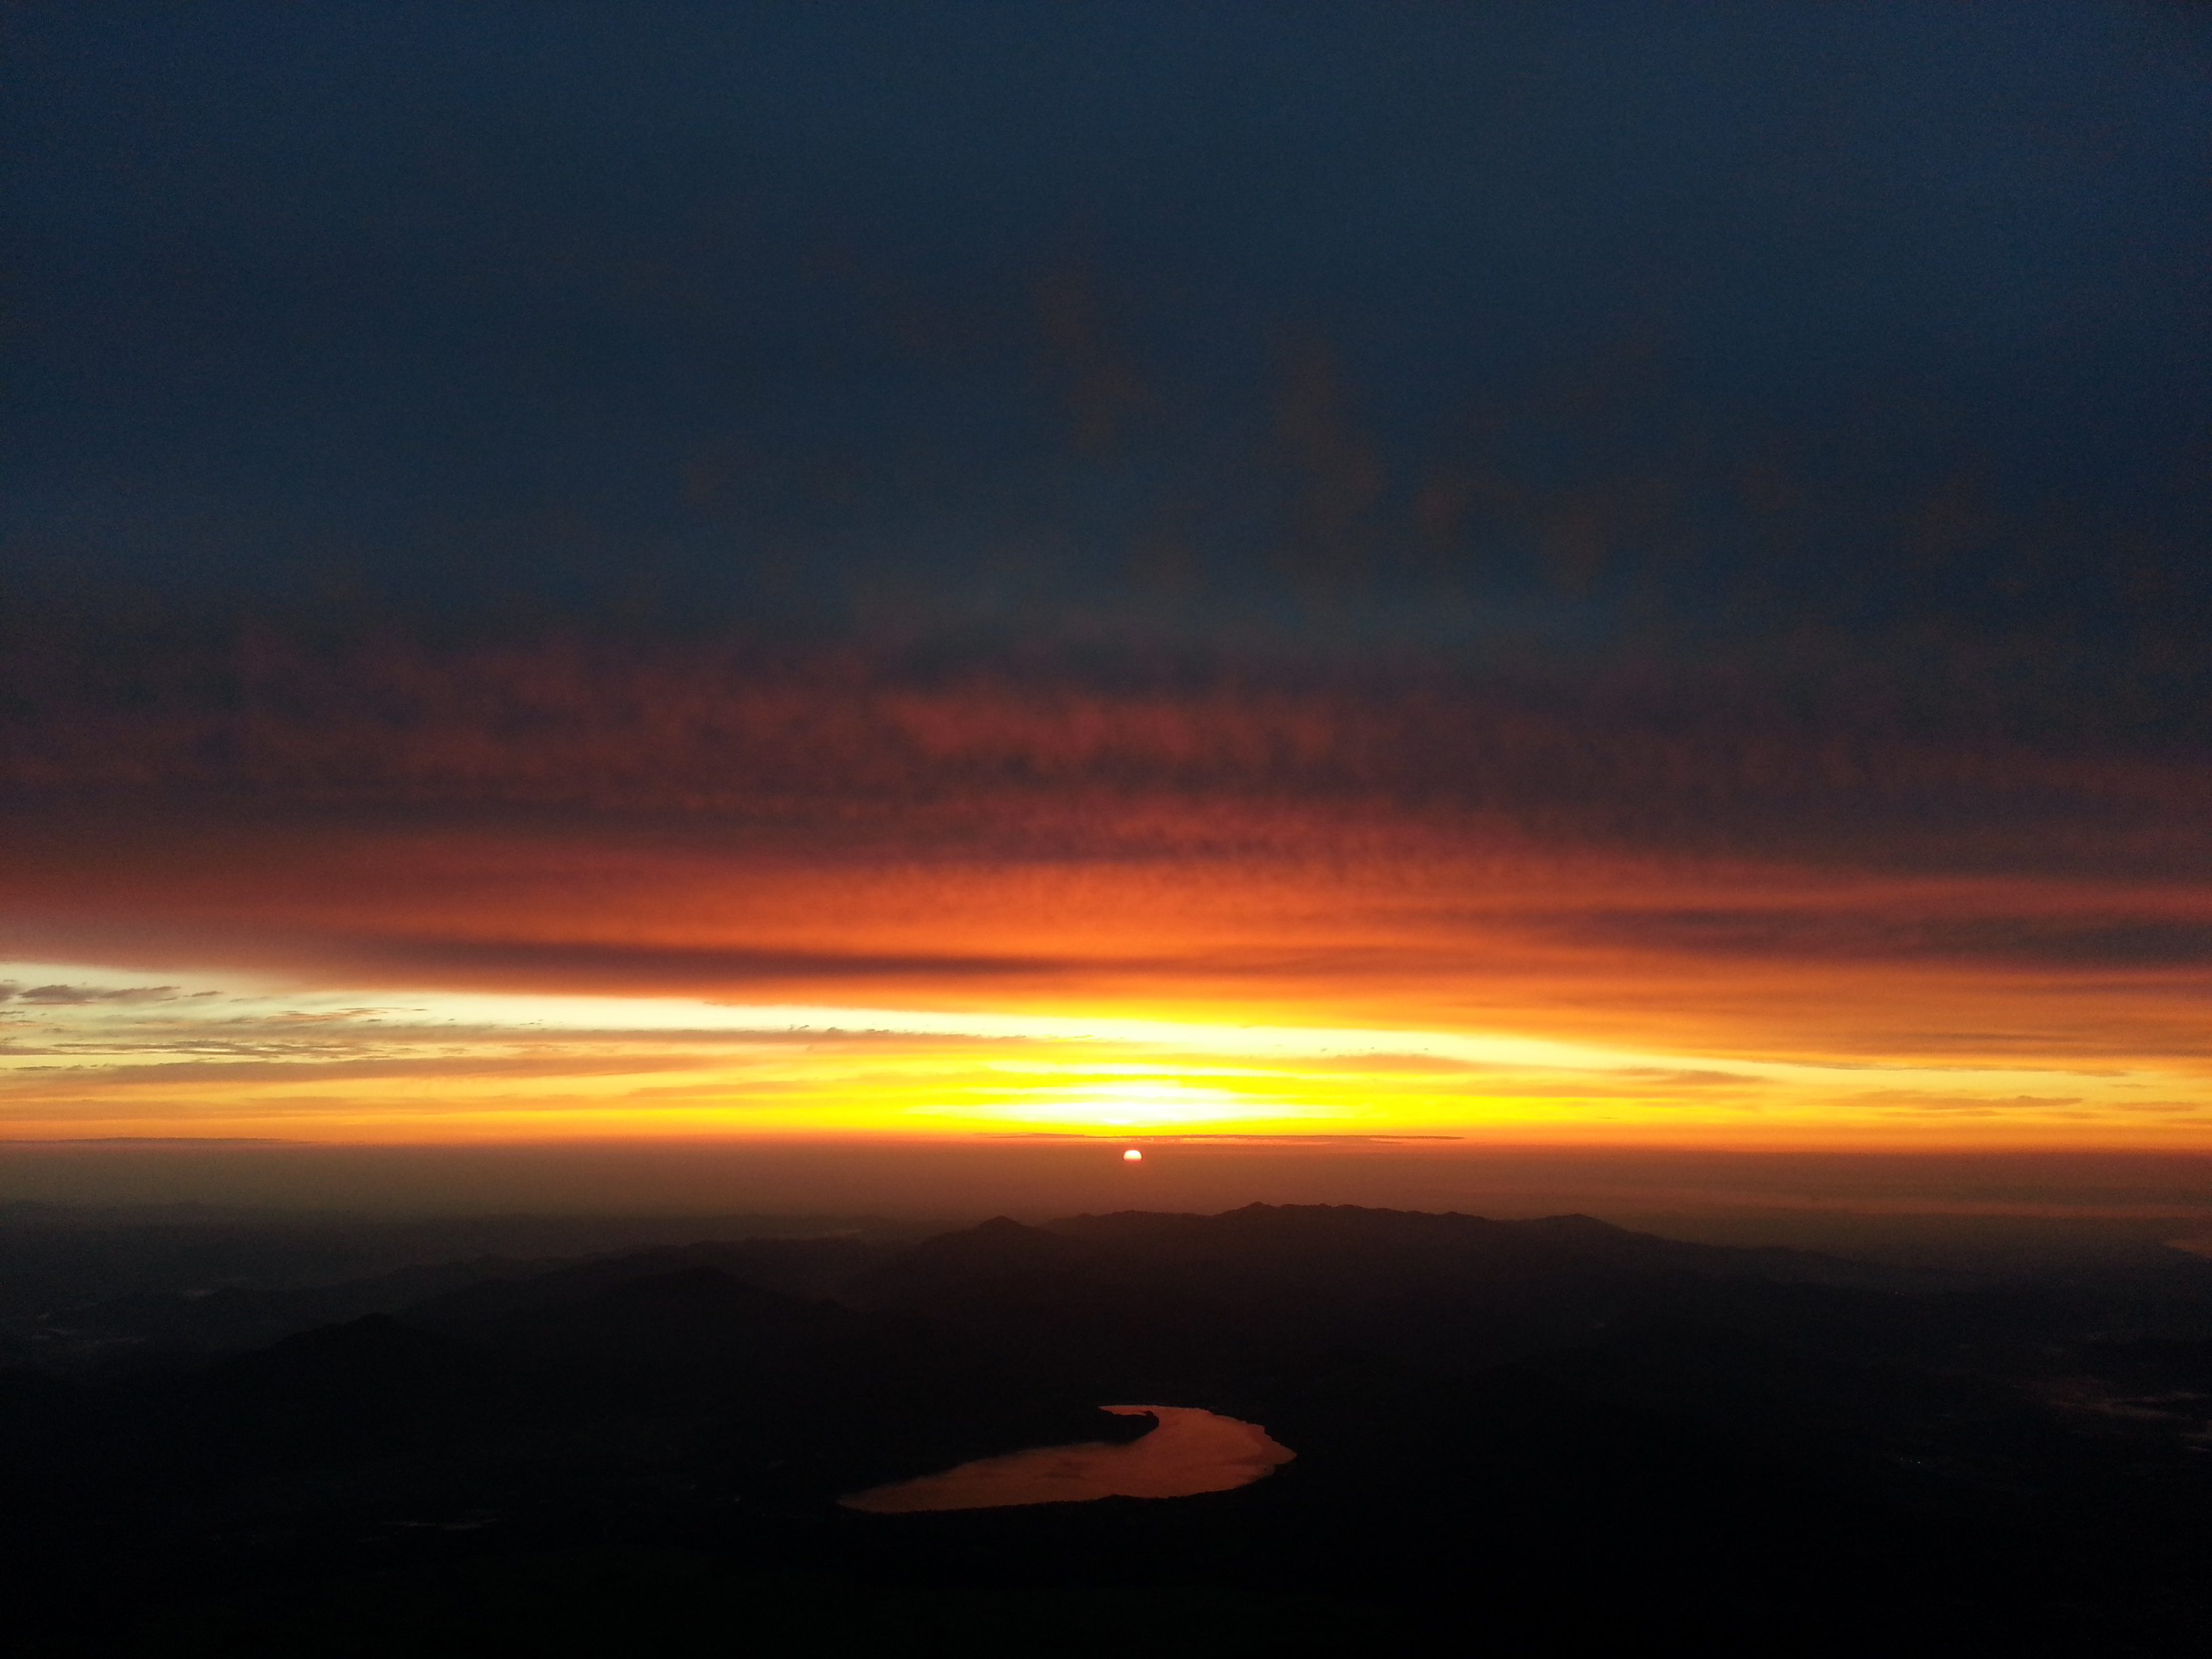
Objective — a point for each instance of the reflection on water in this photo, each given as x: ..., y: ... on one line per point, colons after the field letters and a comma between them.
x: 1191, y: 1451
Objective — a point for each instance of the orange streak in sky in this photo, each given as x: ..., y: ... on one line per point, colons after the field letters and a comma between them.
x: 569, y: 820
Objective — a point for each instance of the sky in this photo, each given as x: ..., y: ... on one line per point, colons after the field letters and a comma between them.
x: 1594, y: 575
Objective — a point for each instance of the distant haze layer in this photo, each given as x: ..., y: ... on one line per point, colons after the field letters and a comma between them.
x: 1949, y: 1205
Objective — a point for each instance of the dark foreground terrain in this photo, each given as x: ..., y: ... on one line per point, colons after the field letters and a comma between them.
x: 1527, y: 1437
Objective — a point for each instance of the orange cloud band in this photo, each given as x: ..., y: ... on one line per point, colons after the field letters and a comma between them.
x: 573, y: 817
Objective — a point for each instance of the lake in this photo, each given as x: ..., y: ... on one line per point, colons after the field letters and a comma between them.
x: 1191, y: 1451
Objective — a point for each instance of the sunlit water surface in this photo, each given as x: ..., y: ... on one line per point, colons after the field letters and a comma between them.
x: 1191, y: 1451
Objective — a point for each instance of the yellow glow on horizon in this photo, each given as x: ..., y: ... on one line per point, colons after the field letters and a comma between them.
x: 1125, y: 1105
x: 126, y: 1058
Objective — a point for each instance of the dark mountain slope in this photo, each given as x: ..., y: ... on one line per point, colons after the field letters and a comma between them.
x: 1336, y: 1244
x: 1152, y: 1299
x: 169, y: 1329
x: 1539, y: 1434
x: 804, y: 1267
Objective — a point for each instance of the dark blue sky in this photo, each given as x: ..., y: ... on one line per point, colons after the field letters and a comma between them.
x: 1384, y: 326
